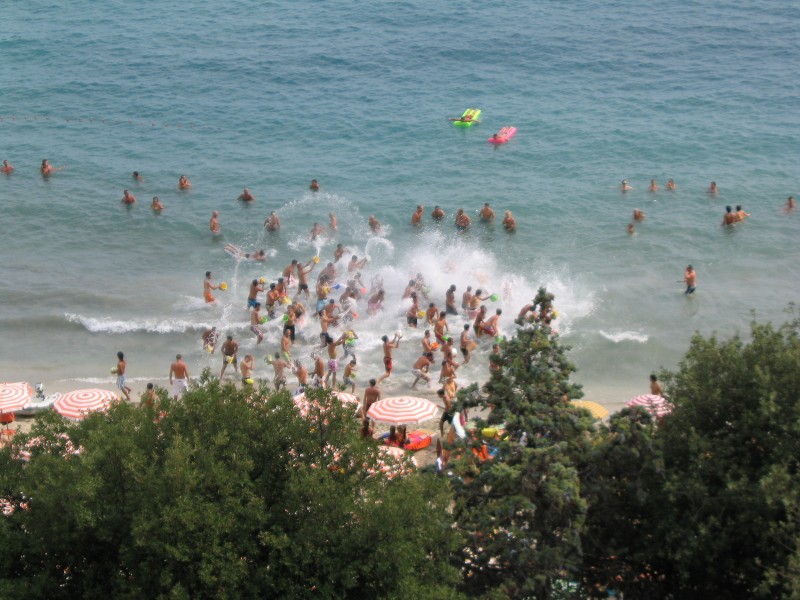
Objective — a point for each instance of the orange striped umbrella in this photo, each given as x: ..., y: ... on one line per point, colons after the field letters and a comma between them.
x: 80, y: 403
x: 14, y: 396
x: 402, y: 410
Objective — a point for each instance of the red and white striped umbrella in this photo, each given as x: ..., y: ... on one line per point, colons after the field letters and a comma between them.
x: 78, y: 404
x: 402, y: 410
x: 14, y: 396
x: 302, y: 403
x: 655, y: 405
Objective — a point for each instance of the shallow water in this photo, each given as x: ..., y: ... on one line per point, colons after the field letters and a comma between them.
x: 270, y: 96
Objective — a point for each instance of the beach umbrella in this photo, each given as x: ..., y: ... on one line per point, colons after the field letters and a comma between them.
x: 14, y: 396
x: 78, y: 404
x: 302, y: 403
x: 402, y: 410
x: 598, y: 411
x: 657, y: 406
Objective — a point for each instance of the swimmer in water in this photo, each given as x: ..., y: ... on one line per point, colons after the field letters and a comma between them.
x: 237, y: 252
x: 712, y: 189
x: 338, y: 253
x: 462, y: 220
x: 314, y: 187
x: 213, y: 223
x: 137, y: 176
x: 6, y: 169
x: 316, y: 231
x: 272, y: 222
x: 638, y: 215
x: 208, y: 287
x: 128, y: 198
x: 355, y: 264
x: 246, y: 196
x: 653, y: 186
x: 416, y: 216
x: 487, y: 214
x: 690, y: 277
x: 184, y: 183
x: 464, y: 119
x: 740, y: 214
x: 790, y: 204
x: 374, y: 224
x: 509, y: 222
x: 47, y: 169
x: 671, y: 185
x: 437, y: 214
x: 730, y: 216
x: 333, y: 223
x: 631, y: 229
x: 624, y: 186
x: 156, y: 204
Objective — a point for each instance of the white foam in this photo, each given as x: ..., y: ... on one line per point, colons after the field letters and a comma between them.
x: 109, y: 325
x: 625, y: 336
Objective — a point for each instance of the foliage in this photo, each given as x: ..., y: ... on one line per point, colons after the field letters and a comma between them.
x: 522, y: 512
x: 227, y: 493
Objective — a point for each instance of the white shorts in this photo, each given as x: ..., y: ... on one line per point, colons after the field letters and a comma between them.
x: 179, y: 386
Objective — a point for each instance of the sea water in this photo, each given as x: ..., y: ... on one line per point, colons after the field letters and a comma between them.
x: 357, y: 95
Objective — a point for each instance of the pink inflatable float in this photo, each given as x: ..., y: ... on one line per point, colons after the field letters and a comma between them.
x: 502, y: 136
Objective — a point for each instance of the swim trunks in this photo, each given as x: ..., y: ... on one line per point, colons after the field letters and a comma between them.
x: 412, y: 320
x: 121, y: 382
x: 257, y: 330
x: 348, y: 381
x: 179, y: 386
x: 439, y: 337
x: 418, y: 373
x: 464, y: 351
x: 208, y: 296
x: 226, y: 358
x: 332, y: 365
x: 450, y: 310
x: 251, y: 302
x: 387, y: 363
x: 690, y: 290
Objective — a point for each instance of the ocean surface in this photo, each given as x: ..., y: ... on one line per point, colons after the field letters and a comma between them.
x: 269, y: 95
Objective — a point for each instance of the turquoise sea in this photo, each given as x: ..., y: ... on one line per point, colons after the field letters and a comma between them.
x: 269, y: 95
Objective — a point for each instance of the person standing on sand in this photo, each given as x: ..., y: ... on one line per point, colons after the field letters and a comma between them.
x: 690, y: 277
x: 229, y: 350
x: 371, y: 395
x: 121, y: 384
x: 156, y: 204
x: 655, y: 387
x: 388, y: 346
x: 178, y: 376
x: 208, y: 286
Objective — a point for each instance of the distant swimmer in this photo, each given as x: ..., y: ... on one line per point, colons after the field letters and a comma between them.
x: 333, y: 222
x: 462, y: 220
x: 246, y: 196
x: 690, y: 277
x: 437, y: 214
x: 790, y: 204
x: 237, y: 252
x: 631, y: 229
x: 355, y: 264
x: 128, y: 198
x: 712, y: 189
x: 137, y: 176
x: 638, y: 215
x: 208, y: 287
x: 272, y: 222
x: 624, y: 186
x: 487, y: 214
x: 653, y: 186
x: 671, y: 185
x: 416, y: 216
x: 730, y: 216
x: 450, y: 300
x: 314, y: 187
x: 47, y: 169
x: 213, y: 224
x: 509, y: 222
x: 374, y: 224
x: 740, y: 214
x: 316, y: 231
x: 184, y: 183
x: 6, y: 169
x: 156, y: 204
x: 338, y: 253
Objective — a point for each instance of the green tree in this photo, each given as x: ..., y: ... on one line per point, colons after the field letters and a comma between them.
x: 522, y: 512
x: 227, y: 493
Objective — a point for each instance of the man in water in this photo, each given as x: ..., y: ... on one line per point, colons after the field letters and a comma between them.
x: 355, y: 264
x: 638, y: 215
x: 333, y: 222
x: 302, y: 375
x: 490, y: 327
x: 121, y: 384
x: 740, y: 214
x: 328, y: 273
x: 156, y: 204
x: 47, y: 169
x: 624, y: 187
x: 255, y: 321
x: 178, y: 376
x: 246, y: 196
x: 462, y: 220
x: 790, y: 204
x: 388, y: 346
x: 6, y: 169
x: 420, y: 369
x: 213, y: 224
x: 272, y: 222
x: 690, y: 277
x: 350, y: 376
x: 229, y: 350
x: 208, y: 286
x: 450, y: 300
x: 467, y: 343
x: 316, y: 231
x: 730, y: 216
x: 128, y: 198
x: 314, y: 187
x: 465, y: 298
x: 712, y: 189
x: 210, y: 339
x: 184, y: 183
x: 437, y: 214
x: 671, y: 185
x: 509, y: 222
x: 137, y: 176
x: 331, y: 344
x: 255, y: 288
x: 487, y: 214
x: 653, y: 186
x: 338, y: 253
x: 416, y: 217
x: 374, y: 224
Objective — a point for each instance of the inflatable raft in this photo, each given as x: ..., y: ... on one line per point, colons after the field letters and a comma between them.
x: 502, y: 136
x: 469, y: 118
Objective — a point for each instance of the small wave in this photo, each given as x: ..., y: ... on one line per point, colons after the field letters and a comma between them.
x: 625, y: 336
x: 109, y: 325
